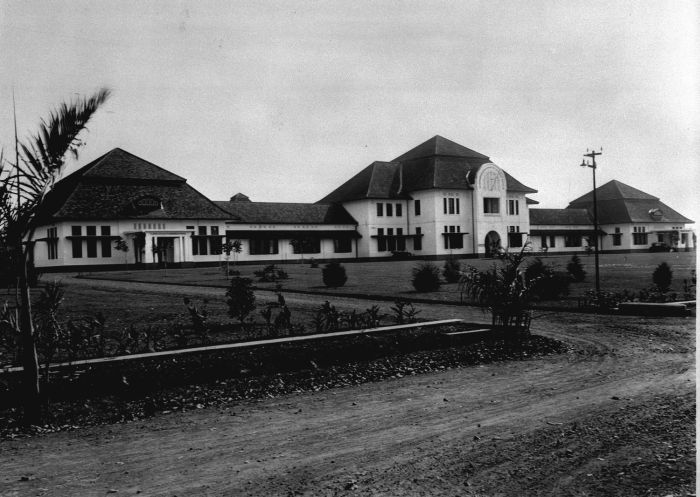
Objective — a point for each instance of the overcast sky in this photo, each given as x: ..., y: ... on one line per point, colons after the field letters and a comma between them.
x: 284, y: 101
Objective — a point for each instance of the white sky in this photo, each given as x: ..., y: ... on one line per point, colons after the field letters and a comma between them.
x: 284, y: 101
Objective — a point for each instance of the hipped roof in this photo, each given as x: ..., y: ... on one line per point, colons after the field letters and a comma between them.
x: 109, y: 187
x: 553, y: 217
x: 620, y: 203
x: 436, y: 163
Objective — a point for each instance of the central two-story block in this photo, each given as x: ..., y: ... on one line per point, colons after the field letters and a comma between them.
x: 438, y: 199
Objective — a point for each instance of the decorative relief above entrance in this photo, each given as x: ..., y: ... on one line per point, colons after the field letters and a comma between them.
x: 491, y: 178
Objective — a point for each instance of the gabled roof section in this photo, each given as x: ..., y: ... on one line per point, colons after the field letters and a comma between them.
x: 378, y: 180
x: 614, y: 190
x: 111, y: 187
x: 513, y: 185
x: 287, y: 213
x: 553, y: 217
x: 439, y: 146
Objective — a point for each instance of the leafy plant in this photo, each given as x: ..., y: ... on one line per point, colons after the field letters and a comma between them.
x: 452, y: 270
x: 426, y: 277
x: 199, y: 316
x: 662, y: 277
x: 575, y: 268
x: 334, y: 275
x: 271, y: 274
x: 372, y: 316
x: 404, y: 312
x: 231, y: 247
x: 503, y: 289
x: 545, y: 282
x: 240, y: 298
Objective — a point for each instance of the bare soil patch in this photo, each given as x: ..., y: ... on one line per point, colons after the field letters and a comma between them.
x: 613, y: 416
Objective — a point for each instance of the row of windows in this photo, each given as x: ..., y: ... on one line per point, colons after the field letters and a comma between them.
x: 549, y: 241
x: 90, y: 243
x: 389, y: 210
x: 453, y: 237
x: 450, y: 205
x: 311, y: 245
x: 149, y: 226
x: 390, y: 242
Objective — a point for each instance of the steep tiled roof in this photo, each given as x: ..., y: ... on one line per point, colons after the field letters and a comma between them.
x: 111, y: 186
x: 287, y: 213
x: 619, y: 203
x: 436, y: 163
x: 614, y: 190
x: 439, y: 146
x: 540, y: 217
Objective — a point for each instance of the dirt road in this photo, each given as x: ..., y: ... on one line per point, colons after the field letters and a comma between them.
x: 613, y: 417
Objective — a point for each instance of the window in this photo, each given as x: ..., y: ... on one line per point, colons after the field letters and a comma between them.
x: 639, y: 235
x: 390, y: 239
x: 52, y: 242
x: 416, y: 207
x: 450, y: 206
x: 263, y: 246
x: 453, y: 237
x: 105, y: 231
x: 543, y: 242
x: 552, y: 241
x: 311, y: 245
x: 76, y: 242
x: 513, y: 207
x: 457, y: 205
x: 572, y: 240
x: 199, y: 243
x: 91, y: 242
x: 491, y: 205
x: 684, y: 238
x: 418, y: 240
x: 380, y: 209
x: 342, y: 245
x: 389, y: 209
x: 617, y: 238
x: 215, y: 243
x: 444, y: 205
x: 400, y: 240
x: 515, y: 239
x: 399, y: 210
x: 381, y: 241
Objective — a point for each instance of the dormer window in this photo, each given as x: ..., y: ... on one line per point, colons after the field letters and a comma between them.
x: 146, y: 204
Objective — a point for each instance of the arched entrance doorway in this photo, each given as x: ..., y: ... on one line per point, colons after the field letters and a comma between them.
x: 492, y: 243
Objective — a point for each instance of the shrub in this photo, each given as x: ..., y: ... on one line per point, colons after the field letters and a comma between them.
x: 452, y: 270
x: 404, y: 312
x: 662, y: 277
x: 544, y: 282
x: 426, y: 277
x: 271, y: 273
x: 240, y: 298
x: 334, y: 275
x: 504, y: 289
x: 575, y: 268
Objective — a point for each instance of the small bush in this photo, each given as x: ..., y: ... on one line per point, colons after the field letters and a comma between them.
x: 334, y: 275
x: 575, y: 268
x: 240, y: 298
x: 271, y: 273
x: 452, y: 271
x: 546, y: 283
x: 426, y: 278
x: 662, y: 277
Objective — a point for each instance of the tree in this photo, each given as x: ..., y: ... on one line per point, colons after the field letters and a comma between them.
x: 231, y: 247
x: 503, y: 289
x: 662, y: 277
x: 24, y: 185
x: 122, y: 246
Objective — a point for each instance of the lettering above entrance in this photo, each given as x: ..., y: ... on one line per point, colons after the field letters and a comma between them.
x: 491, y: 178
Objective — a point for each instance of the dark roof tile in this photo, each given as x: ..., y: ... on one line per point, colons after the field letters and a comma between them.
x: 548, y: 217
x: 287, y: 213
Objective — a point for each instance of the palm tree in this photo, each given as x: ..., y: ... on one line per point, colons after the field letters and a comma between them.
x: 23, y: 188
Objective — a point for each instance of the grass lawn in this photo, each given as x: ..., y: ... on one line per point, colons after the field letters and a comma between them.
x: 389, y: 278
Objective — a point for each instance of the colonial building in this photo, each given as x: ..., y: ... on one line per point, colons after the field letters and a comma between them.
x: 155, y: 213
x: 628, y: 220
x: 439, y: 199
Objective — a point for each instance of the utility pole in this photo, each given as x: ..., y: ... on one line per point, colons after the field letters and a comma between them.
x: 592, y: 154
